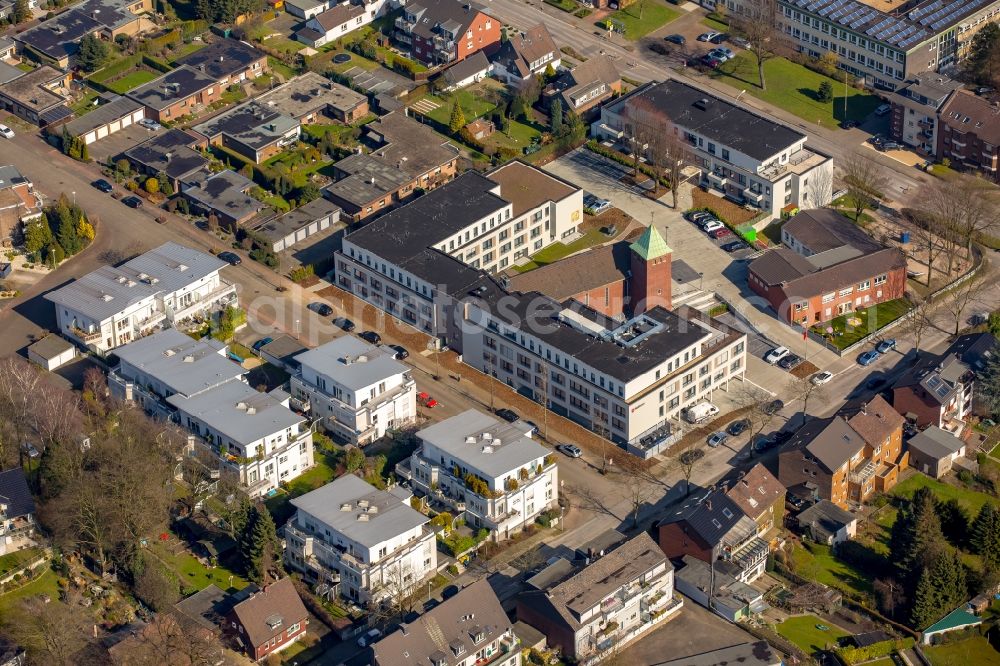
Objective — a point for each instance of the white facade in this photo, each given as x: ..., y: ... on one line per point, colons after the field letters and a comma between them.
x: 113, y: 306
x: 306, y: 9
x: 519, y: 477
x: 369, y: 10
x: 370, y: 542
x: 356, y: 389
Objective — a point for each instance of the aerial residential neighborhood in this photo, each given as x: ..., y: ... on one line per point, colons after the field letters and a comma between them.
x: 458, y: 333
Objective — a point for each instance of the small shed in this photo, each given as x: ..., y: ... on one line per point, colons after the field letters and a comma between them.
x: 480, y: 128
x: 51, y: 352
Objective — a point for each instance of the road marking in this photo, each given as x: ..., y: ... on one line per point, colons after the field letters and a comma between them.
x: 771, y: 393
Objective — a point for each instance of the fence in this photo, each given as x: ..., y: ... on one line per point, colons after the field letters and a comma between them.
x: 971, y: 273
x: 29, y: 566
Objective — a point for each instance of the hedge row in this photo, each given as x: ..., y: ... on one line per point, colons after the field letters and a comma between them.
x: 625, y: 160
x: 856, y: 655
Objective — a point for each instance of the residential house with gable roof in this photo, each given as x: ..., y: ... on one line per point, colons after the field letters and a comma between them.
x: 339, y: 20
x: 19, y: 202
x: 17, y: 511
x: 712, y: 527
x: 761, y: 497
x: 526, y: 54
x: 846, y: 458
x: 934, y: 451
x: 585, y: 86
x: 365, y: 544
x: 606, y: 604
x: 469, y: 629
x: 827, y: 267
x: 270, y: 620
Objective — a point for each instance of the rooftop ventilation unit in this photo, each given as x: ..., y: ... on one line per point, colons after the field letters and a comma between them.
x: 346, y: 506
x: 169, y: 352
x: 470, y: 440
x: 189, y: 359
x: 487, y: 449
x: 362, y: 517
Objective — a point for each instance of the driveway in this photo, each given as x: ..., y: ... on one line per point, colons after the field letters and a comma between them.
x: 119, y: 142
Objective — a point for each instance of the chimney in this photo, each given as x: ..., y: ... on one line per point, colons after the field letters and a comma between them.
x: 708, y: 504
x: 864, y: 408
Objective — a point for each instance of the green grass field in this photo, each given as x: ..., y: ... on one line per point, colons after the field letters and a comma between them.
x: 284, y: 44
x: 715, y: 25
x: 643, y: 17
x: 565, y: 5
x: 130, y: 81
x: 976, y: 650
x: 472, y: 106
x: 518, y: 136
x: 971, y: 500
x: 280, y: 68
x: 46, y: 583
x: 818, y: 563
x: 192, y: 574
x: 557, y: 250
x: 871, y: 318
x: 17, y: 559
x: 794, y: 88
x: 802, y: 631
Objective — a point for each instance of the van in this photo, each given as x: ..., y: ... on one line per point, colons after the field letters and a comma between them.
x: 700, y: 413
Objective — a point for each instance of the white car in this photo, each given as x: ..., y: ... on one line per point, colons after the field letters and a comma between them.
x: 570, y: 450
x: 821, y: 378
x: 7, y: 132
x: 712, y: 226
x: 722, y: 53
x: 776, y: 355
x: 372, y: 636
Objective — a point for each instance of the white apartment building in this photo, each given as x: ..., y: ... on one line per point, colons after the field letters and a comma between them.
x: 357, y: 390
x: 484, y: 221
x: 365, y: 542
x: 489, y: 471
x: 627, y: 381
x: 744, y: 156
x: 254, y: 435
x: 112, y: 306
x: 602, y: 607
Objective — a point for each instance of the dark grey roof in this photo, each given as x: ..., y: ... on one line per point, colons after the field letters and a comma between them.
x: 718, y: 120
x: 15, y: 494
x: 225, y: 192
x: 398, y: 234
x: 58, y: 37
x: 106, y: 113
x: 280, y: 226
x: 454, y: 15
x: 758, y: 653
x: 780, y: 265
x: 827, y: 516
x: 930, y: 89
x: 169, y: 152
x: 50, y: 346
x: 975, y: 349
x: 8, y: 73
x: 822, y: 229
x: 936, y: 443
x: 711, y: 515
x: 284, y: 348
x: 463, y: 69
x: 252, y: 124
x: 552, y: 575
x: 601, y: 543
x: 174, y: 86
x: 10, y: 176
x: 831, y: 441
x: 207, y: 607
x: 223, y: 58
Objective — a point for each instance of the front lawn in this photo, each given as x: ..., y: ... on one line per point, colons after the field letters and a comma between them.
x: 794, y: 88
x: 46, y: 583
x: 565, y: 5
x: 280, y: 68
x: 643, y: 17
x: 15, y: 560
x: 130, y: 81
x: 518, y: 136
x: 715, y: 24
x: 472, y: 105
x: 284, y: 44
x: 192, y: 574
x: 976, y: 650
x: 872, y: 319
x: 558, y: 250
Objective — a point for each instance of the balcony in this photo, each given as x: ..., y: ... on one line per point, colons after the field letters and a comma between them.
x: 151, y: 321
x: 753, y: 197
x: 405, y: 24
x: 718, y: 180
x: 85, y: 337
x: 863, y: 474
x: 926, y: 123
x: 751, y: 554
x: 222, y: 295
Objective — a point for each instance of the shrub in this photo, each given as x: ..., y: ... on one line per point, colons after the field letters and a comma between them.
x: 716, y: 310
x: 302, y: 273
x: 825, y: 92
x: 152, y: 185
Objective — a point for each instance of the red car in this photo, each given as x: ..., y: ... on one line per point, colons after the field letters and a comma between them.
x: 709, y: 61
x: 720, y: 233
x: 426, y: 400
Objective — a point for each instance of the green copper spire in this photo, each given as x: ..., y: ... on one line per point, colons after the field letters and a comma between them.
x: 650, y: 244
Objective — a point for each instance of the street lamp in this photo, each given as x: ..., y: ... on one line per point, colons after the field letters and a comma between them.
x: 74, y: 197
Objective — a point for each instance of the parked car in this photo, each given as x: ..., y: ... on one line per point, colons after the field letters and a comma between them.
x: 570, y: 450
x: 262, y: 342
x: 450, y: 591
x: 698, y: 215
x: 371, y: 636
x: 322, y: 309
x: 763, y: 443
x: 103, y: 185
x: 712, y: 226
x: 883, y: 109
x: 699, y: 413
x: 344, y: 324
x: 985, y: 90
x: 722, y: 53
x: 676, y: 39
x: 595, y: 204
x: 741, y: 42
x: 849, y: 124
x: 720, y: 233
x: 875, y: 382
x: 886, y: 346
x: 737, y: 428
x: 821, y: 378
x: 868, y: 357
x: 734, y: 246
x: 132, y: 202
x: 6, y: 132
x: 890, y: 145
x: 230, y: 258
x: 776, y: 355
x: 508, y: 415
x: 773, y: 407
x: 371, y: 336
x: 707, y: 36
x: 151, y: 125
x: 711, y: 62
x: 426, y: 400
x: 790, y: 362
x: 719, y: 38
x: 717, y: 438
x: 400, y: 352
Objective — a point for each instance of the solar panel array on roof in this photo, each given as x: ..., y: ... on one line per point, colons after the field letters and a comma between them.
x: 900, y: 31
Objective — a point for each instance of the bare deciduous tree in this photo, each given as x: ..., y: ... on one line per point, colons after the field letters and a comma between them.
x: 921, y: 318
x: 804, y: 388
x: 820, y: 187
x: 687, y: 461
x: 51, y: 632
x: 755, y: 401
x: 865, y: 182
x: 758, y: 24
x: 641, y: 119
x: 669, y: 152
x: 957, y: 300
x: 398, y: 593
x: 635, y: 486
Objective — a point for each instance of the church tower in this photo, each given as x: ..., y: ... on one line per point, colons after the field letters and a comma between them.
x: 650, y: 283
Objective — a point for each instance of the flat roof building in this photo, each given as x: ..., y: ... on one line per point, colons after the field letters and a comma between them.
x: 254, y: 130
x: 184, y: 91
x: 228, y: 61
x: 311, y: 95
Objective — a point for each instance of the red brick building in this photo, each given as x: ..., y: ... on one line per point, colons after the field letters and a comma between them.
x: 969, y: 133
x: 620, y: 278
x: 270, y: 620
x: 826, y: 267
x: 439, y: 32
